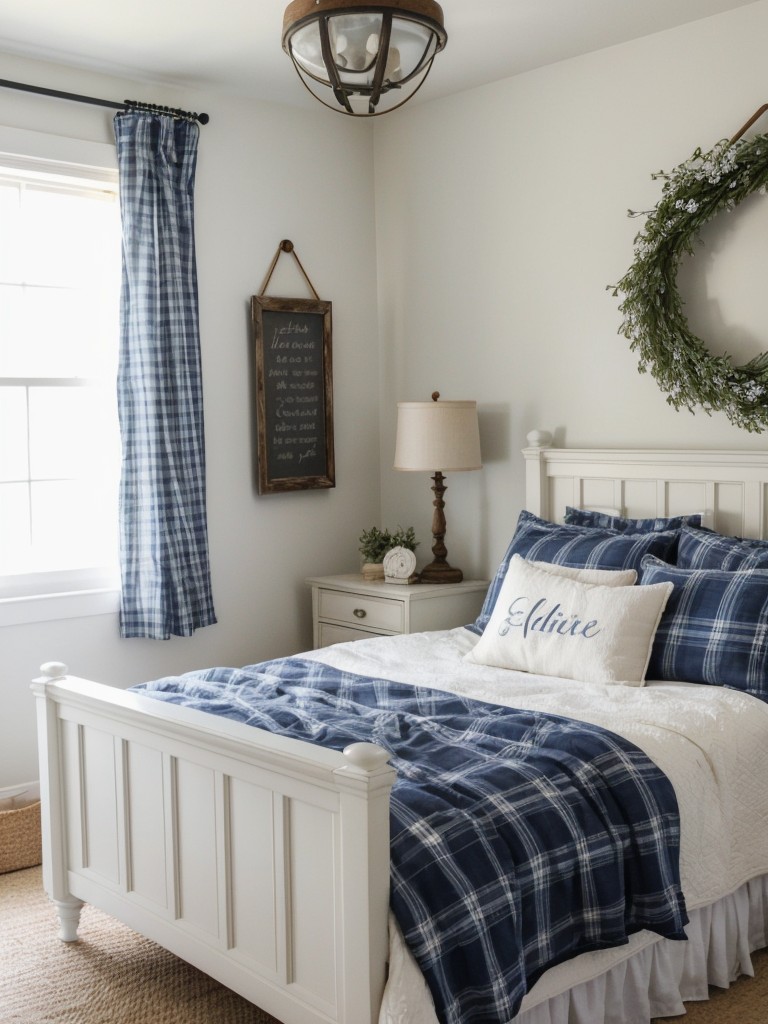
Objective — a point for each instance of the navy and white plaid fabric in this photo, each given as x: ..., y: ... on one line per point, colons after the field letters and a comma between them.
x: 705, y: 549
x: 166, y: 585
x: 518, y: 839
x: 606, y: 521
x: 714, y: 628
x: 580, y: 547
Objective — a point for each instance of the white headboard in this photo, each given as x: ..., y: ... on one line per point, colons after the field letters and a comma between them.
x: 729, y: 488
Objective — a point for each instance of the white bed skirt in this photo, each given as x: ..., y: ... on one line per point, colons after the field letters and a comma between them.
x: 653, y: 977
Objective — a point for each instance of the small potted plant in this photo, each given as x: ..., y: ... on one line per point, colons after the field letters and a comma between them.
x: 375, y: 543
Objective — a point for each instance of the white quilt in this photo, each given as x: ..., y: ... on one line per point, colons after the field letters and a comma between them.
x: 712, y: 743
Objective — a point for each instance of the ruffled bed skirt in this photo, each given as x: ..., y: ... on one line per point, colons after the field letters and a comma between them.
x: 652, y: 978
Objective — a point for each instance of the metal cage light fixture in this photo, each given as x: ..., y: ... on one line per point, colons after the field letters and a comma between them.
x: 363, y: 59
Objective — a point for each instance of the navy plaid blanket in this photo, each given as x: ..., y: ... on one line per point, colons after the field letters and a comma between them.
x: 518, y: 839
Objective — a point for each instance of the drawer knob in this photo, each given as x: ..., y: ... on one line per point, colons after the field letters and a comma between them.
x: 359, y: 613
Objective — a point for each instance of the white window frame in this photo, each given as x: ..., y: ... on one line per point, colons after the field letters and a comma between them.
x: 77, y: 593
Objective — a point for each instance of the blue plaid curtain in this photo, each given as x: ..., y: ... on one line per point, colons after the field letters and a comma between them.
x: 166, y: 587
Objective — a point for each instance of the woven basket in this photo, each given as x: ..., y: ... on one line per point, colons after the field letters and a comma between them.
x: 20, y: 840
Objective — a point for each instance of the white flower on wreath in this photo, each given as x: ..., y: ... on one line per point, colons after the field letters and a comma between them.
x: 752, y: 391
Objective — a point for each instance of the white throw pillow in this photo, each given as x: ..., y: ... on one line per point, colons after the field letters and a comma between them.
x: 556, y: 626
x: 606, y: 577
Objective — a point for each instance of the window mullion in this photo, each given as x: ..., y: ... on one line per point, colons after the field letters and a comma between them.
x: 50, y: 382
x: 30, y: 529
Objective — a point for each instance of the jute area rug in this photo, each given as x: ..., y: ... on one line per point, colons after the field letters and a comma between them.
x: 110, y: 976
x: 114, y: 976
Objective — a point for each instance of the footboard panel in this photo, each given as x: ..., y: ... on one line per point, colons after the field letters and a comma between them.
x: 262, y: 860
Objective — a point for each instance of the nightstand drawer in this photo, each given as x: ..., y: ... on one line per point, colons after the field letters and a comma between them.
x: 329, y: 633
x: 361, y: 611
x: 347, y: 607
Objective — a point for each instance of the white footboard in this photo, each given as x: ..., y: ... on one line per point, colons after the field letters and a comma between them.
x: 264, y: 861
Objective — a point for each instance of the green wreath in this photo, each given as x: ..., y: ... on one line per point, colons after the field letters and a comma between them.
x: 654, y: 322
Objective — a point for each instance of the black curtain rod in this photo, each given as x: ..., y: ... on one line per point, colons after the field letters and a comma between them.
x: 152, y: 108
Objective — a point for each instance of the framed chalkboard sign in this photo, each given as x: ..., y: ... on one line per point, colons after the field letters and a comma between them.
x: 294, y: 394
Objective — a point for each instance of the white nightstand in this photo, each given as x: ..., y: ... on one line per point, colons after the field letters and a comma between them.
x: 347, y: 607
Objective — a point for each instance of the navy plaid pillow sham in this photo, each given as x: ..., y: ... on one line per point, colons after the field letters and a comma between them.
x: 605, y: 521
x: 705, y: 549
x: 714, y: 628
x: 576, y: 546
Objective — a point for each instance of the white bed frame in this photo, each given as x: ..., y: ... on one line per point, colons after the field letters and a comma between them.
x: 729, y: 488
x: 263, y: 860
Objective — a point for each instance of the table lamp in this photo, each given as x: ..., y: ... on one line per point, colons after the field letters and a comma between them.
x: 438, y: 437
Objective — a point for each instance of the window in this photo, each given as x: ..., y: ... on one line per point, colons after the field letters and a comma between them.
x: 59, y: 440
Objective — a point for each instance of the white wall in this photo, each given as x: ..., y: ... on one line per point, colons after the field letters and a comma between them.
x: 501, y: 218
x: 264, y: 173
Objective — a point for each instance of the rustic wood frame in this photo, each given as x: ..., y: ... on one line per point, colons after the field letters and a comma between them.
x: 270, y: 481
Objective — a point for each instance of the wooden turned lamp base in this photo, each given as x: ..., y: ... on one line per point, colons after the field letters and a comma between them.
x: 439, y: 571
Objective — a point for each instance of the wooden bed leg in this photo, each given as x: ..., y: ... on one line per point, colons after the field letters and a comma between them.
x: 69, y: 918
x: 55, y: 860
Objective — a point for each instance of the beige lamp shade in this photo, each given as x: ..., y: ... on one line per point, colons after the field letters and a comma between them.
x: 434, y: 436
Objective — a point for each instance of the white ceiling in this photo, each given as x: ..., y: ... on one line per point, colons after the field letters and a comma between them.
x: 234, y: 46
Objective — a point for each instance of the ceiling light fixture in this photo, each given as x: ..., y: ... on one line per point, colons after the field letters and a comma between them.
x: 363, y: 59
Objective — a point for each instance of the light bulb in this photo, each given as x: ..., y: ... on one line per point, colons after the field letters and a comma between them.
x: 372, y: 45
x: 392, y: 71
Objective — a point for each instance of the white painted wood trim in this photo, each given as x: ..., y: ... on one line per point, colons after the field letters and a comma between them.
x: 348, y: 795
x: 572, y: 467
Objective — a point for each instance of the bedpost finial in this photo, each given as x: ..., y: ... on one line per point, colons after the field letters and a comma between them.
x: 368, y: 756
x: 54, y: 669
x: 539, y: 438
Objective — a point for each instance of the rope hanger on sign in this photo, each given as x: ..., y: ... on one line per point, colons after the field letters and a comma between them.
x: 286, y: 246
